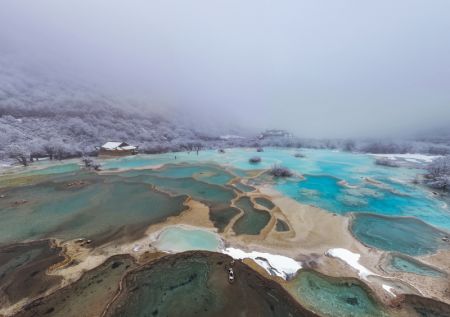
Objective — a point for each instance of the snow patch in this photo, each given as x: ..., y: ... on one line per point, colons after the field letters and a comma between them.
x: 389, y: 289
x: 230, y: 136
x: 351, y: 259
x: 278, y: 265
x: 414, y: 158
x: 137, y: 247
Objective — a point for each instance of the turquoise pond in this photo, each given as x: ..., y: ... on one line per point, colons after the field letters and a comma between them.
x: 253, y: 220
x: 334, y: 297
x: 405, y: 235
x: 401, y: 263
x: 178, y: 239
x: 373, y: 189
x: 96, y: 207
x: 392, y: 192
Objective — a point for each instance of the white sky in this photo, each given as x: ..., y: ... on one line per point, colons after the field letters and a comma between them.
x: 318, y: 68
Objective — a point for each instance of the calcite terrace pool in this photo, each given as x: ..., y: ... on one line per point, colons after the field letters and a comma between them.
x: 341, y: 237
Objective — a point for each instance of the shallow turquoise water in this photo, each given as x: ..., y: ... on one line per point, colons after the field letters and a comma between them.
x: 405, y: 235
x: 402, y: 263
x: 333, y: 297
x: 243, y: 188
x: 392, y: 194
x: 206, y: 173
x: 177, y: 239
x: 56, y: 169
x: 404, y: 200
x: 395, y: 196
x: 102, y: 206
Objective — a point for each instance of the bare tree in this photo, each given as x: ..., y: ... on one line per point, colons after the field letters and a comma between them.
x: 255, y: 160
x: 280, y: 171
x: 192, y: 146
x: 90, y: 163
x: 438, y: 176
x: 349, y: 146
x: 19, y: 153
x: 384, y: 161
x: 198, y: 147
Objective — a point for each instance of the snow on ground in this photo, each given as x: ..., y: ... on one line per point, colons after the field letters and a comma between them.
x: 230, y: 136
x: 278, y: 265
x: 414, y: 158
x: 351, y: 259
x: 389, y: 289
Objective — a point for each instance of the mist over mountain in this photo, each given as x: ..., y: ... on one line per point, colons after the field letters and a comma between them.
x: 162, y: 75
x: 319, y: 70
x: 41, y: 113
x: 37, y: 111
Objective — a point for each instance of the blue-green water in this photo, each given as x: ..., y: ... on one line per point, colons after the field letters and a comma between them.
x: 405, y: 235
x: 198, y: 190
x: 395, y: 195
x: 243, y: 188
x: 203, y: 172
x: 388, y: 192
x: 333, y: 297
x: 281, y: 226
x: 395, y: 200
x: 264, y: 202
x: 390, y: 212
x: 101, y: 205
x: 401, y: 263
x: 253, y: 220
x: 196, y: 284
x: 178, y: 239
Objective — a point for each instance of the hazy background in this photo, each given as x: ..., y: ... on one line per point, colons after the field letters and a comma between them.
x: 317, y: 68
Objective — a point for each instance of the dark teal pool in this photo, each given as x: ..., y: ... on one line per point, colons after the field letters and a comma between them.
x: 400, y: 234
x: 253, y: 220
x: 401, y: 263
x: 334, y: 297
x: 196, y: 284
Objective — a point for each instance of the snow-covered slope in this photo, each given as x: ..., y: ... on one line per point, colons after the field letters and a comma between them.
x: 37, y: 112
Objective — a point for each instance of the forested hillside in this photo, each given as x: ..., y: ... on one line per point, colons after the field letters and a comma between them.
x: 39, y: 116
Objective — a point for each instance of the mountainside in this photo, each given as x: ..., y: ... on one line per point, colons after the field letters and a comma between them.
x: 38, y: 114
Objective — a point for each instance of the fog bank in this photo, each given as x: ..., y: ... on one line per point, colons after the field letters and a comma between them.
x: 317, y: 68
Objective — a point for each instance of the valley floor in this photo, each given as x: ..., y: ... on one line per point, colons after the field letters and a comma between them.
x: 341, y: 237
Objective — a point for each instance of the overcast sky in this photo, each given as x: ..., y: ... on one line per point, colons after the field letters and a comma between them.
x: 318, y: 68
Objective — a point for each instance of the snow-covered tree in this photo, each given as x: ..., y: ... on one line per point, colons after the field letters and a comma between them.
x: 280, y: 171
x: 20, y: 153
x: 438, y: 176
